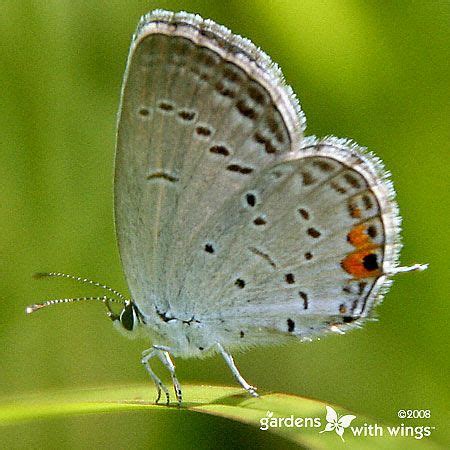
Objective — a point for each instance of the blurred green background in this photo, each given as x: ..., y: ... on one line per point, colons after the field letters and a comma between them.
x: 375, y: 71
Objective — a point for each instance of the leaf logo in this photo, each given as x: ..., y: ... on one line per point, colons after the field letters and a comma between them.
x: 337, y: 423
x: 269, y: 414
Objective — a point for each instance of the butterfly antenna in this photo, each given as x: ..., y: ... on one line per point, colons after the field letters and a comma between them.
x: 41, y: 275
x: 105, y: 300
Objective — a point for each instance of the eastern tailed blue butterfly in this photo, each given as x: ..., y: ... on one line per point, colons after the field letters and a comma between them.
x: 234, y: 229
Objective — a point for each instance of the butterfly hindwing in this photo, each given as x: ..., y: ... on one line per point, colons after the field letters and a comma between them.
x: 306, y: 253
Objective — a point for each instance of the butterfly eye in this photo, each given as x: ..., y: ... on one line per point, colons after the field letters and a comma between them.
x: 128, y: 317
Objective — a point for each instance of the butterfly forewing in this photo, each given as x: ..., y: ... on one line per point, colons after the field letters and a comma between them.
x: 195, y: 125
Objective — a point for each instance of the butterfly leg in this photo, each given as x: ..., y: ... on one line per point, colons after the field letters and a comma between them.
x: 164, y: 356
x: 234, y: 370
x: 147, y: 355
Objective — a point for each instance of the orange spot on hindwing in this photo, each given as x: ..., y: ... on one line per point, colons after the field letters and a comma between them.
x: 358, y: 236
x: 362, y: 264
x: 364, y: 261
x: 355, y: 212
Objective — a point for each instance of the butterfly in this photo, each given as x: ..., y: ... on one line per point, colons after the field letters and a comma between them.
x: 336, y: 423
x: 234, y: 229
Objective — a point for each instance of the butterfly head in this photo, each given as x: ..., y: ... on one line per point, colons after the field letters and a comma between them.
x: 129, y: 317
x: 127, y: 320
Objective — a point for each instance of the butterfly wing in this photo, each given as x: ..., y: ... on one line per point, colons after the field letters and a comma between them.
x: 346, y: 420
x: 194, y: 125
x: 331, y: 415
x: 310, y: 252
